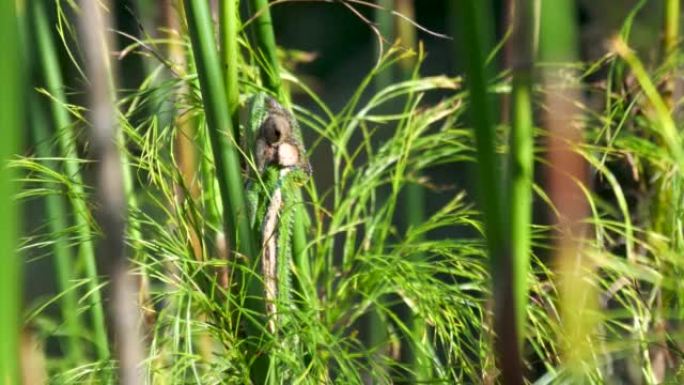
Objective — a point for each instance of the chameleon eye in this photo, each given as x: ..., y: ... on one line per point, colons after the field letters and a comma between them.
x: 275, y: 128
x: 270, y: 131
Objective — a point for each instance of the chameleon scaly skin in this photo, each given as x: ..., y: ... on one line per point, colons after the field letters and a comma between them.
x: 280, y: 166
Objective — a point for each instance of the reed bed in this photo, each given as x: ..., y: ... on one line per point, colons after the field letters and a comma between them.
x: 561, y: 265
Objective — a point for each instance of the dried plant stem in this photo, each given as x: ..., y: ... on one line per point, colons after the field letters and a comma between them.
x: 110, y: 189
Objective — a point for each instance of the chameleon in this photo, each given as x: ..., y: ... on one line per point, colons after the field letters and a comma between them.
x: 279, y: 166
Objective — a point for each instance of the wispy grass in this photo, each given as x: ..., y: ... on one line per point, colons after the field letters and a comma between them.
x: 437, y: 272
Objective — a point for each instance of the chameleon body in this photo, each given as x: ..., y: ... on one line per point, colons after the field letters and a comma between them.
x: 279, y: 166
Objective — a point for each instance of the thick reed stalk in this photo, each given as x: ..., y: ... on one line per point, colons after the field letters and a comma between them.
x: 385, y: 22
x: 111, y: 190
x: 667, y: 194
x: 567, y: 173
x: 268, y: 60
x: 414, y: 192
x: 220, y: 127
x: 227, y: 163
x: 473, y: 35
x: 229, y: 25
x: 521, y: 158
x: 11, y: 114
x: 54, y: 204
x: 671, y: 31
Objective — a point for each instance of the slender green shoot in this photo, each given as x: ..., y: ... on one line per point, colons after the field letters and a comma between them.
x: 266, y: 44
x: 55, y: 205
x: 229, y: 24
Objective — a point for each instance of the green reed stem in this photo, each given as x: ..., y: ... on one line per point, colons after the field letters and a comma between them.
x: 474, y: 35
x: 522, y: 158
x: 415, y: 193
x: 265, y: 38
x: 229, y: 24
x: 66, y: 134
x: 671, y: 36
x: 385, y: 21
x: 224, y: 150
x: 220, y: 126
x: 11, y: 94
x: 56, y: 214
x: 54, y: 204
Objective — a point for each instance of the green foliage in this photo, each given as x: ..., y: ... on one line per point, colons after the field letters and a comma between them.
x: 206, y: 318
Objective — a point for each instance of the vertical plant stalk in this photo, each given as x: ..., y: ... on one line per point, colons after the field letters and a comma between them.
x: 375, y: 334
x: 56, y: 214
x: 67, y: 147
x: 473, y: 34
x: 670, y: 47
x: 521, y: 158
x: 265, y: 37
x: 567, y: 173
x: 229, y: 24
x: 110, y: 189
x: 508, y: 26
x: 218, y: 119
x: 184, y: 142
x: 667, y: 193
x: 227, y: 164
x: 415, y: 193
x: 385, y: 21
x: 55, y: 207
x: 11, y: 76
